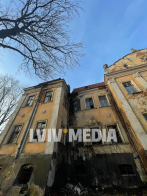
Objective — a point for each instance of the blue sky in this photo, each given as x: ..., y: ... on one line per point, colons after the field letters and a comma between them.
x: 109, y: 28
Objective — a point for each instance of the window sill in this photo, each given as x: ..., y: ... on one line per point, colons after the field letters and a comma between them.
x: 11, y: 144
x: 105, y: 106
x: 46, y: 102
x: 90, y: 109
x: 134, y: 93
x: 27, y: 106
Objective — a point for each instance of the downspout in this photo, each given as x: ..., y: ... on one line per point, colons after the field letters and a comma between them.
x: 123, y: 123
x: 21, y: 144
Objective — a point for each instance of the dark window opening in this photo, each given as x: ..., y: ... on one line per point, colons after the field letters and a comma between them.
x: 129, y: 87
x: 126, y: 66
x: 119, y: 140
x: 103, y: 101
x: 89, y: 103
x: 15, y: 134
x: 40, y: 126
x: 77, y: 106
x: 24, y: 174
x: 30, y: 101
x: 80, y: 170
x: 145, y: 116
x: 48, y: 97
x: 126, y: 169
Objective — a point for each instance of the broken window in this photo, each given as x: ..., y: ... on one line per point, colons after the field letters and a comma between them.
x: 40, y: 126
x: 48, y: 97
x: 80, y: 170
x: 145, y: 116
x: 30, y: 101
x: 126, y: 169
x: 103, y: 101
x: 24, y: 174
x: 15, y: 134
x: 119, y: 140
x: 129, y: 87
x: 77, y: 106
x: 89, y: 103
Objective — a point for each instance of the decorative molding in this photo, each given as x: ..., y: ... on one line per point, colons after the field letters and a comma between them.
x: 136, y: 74
x: 111, y: 80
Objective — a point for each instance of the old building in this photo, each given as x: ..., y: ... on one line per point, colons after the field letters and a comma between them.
x: 23, y: 162
x: 120, y: 103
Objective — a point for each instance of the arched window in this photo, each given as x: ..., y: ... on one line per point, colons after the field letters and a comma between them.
x: 24, y: 174
x: 126, y: 169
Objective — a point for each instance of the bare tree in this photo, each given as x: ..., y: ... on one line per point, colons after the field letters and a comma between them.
x: 10, y: 93
x: 39, y: 31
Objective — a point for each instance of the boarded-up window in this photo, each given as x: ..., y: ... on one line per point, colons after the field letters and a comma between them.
x: 30, y: 101
x: 129, y: 87
x: 89, y: 103
x: 126, y: 169
x: 14, y: 136
x: 103, y: 101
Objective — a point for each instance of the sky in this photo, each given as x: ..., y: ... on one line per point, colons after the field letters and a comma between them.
x: 109, y: 29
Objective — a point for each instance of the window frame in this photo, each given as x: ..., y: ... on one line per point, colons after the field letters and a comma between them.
x: 126, y: 170
x: 40, y: 121
x: 11, y: 132
x: 93, y: 103
x: 121, y: 136
x: 143, y: 115
x: 134, y: 84
x: 25, y: 105
x: 45, y: 96
x: 106, y: 99
x: 80, y: 105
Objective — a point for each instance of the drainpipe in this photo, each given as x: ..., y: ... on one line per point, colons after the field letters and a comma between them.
x: 123, y: 123
x: 23, y: 139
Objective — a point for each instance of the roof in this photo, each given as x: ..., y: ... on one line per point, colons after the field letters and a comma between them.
x: 102, y: 84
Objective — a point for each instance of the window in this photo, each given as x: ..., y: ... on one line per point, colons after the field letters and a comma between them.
x: 24, y: 174
x: 40, y: 126
x: 126, y: 169
x: 145, y: 116
x: 129, y: 87
x: 119, y: 140
x: 15, y: 134
x: 48, y: 97
x: 126, y: 66
x: 103, y: 101
x: 80, y: 170
x: 29, y: 101
x: 89, y: 103
x: 77, y: 106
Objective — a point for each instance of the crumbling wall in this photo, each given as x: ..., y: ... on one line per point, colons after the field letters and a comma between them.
x: 11, y: 168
